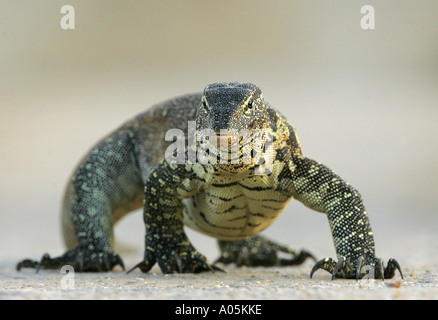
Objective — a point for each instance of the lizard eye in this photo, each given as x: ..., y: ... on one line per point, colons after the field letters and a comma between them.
x: 249, y: 106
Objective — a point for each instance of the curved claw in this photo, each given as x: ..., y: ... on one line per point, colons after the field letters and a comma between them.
x: 138, y: 265
x: 106, y: 263
x: 391, y: 267
x: 339, y: 265
x: 27, y: 263
x: 327, y: 264
x: 119, y: 262
x: 178, y: 262
x: 215, y: 268
x: 307, y: 254
x: 207, y: 267
x: 46, y: 262
x: 359, y: 267
x: 298, y: 259
x: 379, y: 265
x: 44, y: 258
x: 144, y: 266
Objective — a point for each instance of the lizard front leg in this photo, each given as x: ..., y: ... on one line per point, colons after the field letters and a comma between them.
x: 321, y: 189
x: 166, y: 242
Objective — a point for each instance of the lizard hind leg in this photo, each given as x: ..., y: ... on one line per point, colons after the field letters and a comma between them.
x: 259, y: 251
x: 105, y: 185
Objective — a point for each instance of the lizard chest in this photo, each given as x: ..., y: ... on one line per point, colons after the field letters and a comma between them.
x: 233, y: 207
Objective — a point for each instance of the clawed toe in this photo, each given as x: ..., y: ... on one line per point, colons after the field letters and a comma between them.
x: 298, y: 259
x: 46, y: 262
x: 27, y: 263
x: 142, y: 265
x: 203, y: 265
x: 390, y: 269
x: 327, y: 264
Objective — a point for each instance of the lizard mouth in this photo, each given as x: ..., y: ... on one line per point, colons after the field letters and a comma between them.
x: 233, y: 151
x: 232, y: 143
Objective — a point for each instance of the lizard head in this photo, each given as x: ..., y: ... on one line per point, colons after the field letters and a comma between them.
x: 232, y: 113
x: 231, y: 106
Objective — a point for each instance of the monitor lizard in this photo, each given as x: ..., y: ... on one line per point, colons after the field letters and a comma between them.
x: 230, y: 200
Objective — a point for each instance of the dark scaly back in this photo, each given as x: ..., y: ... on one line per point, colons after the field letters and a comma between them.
x: 152, y: 125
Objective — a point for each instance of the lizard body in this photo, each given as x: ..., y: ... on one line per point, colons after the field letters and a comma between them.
x: 226, y: 199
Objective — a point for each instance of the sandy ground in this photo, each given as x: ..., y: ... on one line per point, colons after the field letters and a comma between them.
x: 249, y: 283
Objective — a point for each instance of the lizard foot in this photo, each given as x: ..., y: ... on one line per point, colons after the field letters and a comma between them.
x: 259, y: 251
x: 360, y: 268
x: 80, y: 260
x: 175, y: 255
x: 189, y: 263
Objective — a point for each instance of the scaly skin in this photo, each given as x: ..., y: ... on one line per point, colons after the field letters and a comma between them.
x: 232, y: 201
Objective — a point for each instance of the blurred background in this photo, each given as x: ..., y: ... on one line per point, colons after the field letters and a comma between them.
x: 364, y: 102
